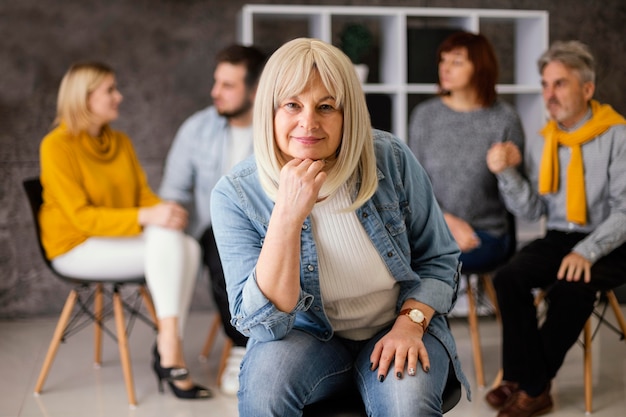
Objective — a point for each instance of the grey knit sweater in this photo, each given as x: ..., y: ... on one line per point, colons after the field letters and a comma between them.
x: 452, y: 147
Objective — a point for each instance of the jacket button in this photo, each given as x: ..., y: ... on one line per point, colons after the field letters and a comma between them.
x: 311, y: 268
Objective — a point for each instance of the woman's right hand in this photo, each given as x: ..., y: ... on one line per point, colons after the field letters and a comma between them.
x: 167, y: 214
x: 299, y: 188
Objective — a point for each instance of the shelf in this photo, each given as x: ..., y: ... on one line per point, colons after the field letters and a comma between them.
x: 406, y: 38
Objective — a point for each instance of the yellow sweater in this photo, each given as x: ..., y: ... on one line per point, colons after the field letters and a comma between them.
x: 92, y: 187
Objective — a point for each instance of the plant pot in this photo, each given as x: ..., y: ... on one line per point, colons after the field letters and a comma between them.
x: 361, y: 72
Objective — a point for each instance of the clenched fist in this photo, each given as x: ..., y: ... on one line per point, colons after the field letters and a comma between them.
x: 503, y: 155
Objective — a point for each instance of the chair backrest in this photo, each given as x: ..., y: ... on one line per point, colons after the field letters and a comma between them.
x: 34, y: 190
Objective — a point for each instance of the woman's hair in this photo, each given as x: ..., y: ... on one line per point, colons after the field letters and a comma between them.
x: 80, y: 80
x: 481, y: 54
x: 287, y: 73
x: 574, y: 55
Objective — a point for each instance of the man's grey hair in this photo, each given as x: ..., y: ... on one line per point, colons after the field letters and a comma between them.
x: 574, y: 55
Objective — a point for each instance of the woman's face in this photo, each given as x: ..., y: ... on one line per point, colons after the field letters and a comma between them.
x: 309, y: 125
x: 104, y: 101
x: 455, y: 70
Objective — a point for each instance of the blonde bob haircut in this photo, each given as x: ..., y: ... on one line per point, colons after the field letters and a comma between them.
x: 286, y: 74
x: 80, y: 80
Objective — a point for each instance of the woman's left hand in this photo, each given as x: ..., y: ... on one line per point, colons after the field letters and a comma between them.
x: 402, y: 346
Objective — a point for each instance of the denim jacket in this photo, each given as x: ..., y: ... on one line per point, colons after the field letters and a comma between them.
x: 402, y: 219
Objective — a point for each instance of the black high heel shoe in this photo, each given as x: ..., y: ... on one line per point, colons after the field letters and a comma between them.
x: 195, y: 392
x: 168, y: 374
x: 176, y: 374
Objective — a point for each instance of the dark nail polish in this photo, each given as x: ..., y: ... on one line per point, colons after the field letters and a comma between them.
x: 371, y: 366
x: 381, y: 378
x: 427, y: 369
x: 399, y: 375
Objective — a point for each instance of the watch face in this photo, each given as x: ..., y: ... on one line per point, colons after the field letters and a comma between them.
x: 416, y: 315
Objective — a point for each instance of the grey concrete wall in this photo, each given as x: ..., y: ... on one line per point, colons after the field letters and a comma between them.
x: 162, y: 51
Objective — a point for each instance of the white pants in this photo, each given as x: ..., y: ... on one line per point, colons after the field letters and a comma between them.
x: 169, y: 260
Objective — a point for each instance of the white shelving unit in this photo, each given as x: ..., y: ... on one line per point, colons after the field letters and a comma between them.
x: 522, y: 35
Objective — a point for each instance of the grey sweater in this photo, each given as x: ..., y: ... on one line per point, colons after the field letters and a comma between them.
x: 452, y: 147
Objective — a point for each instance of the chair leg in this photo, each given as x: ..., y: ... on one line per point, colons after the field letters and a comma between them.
x: 147, y: 302
x: 228, y: 345
x: 122, y: 341
x: 588, y: 377
x: 56, y: 339
x: 208, y: 343
x: 498, y: 379
x: 491, y: 293
x: 472, y: 317
x: 610, y: 295
x: 97, y: 312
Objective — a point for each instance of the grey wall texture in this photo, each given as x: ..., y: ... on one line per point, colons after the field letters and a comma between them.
x: 162, y: 51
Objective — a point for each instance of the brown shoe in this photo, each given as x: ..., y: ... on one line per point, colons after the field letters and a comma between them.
x: 523, y: 405
x: 498, y: 397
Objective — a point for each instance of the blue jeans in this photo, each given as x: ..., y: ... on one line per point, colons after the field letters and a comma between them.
x: 280, y: 377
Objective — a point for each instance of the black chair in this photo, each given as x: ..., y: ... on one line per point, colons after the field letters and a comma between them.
x: 485, y: 284
x: 97, y: 301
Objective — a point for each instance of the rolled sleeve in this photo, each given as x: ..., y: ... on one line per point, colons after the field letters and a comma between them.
x: 260, y: 319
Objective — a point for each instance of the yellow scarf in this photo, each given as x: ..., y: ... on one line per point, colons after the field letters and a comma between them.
x: 603, y: 117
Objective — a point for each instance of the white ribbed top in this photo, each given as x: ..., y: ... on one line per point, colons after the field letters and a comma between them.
x: 358, y: 291
x: 240, y: 146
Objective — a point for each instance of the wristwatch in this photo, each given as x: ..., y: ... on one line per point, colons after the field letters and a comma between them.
x: 416, y: 316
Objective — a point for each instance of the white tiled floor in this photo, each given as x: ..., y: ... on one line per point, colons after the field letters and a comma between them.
x: 75, y: 389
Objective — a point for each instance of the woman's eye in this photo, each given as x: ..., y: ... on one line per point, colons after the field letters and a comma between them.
x: 327, y: 108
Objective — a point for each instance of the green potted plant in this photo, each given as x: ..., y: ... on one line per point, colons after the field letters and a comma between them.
x: 356, y: 43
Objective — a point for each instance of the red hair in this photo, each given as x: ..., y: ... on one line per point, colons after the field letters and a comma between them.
x: 481, y: 54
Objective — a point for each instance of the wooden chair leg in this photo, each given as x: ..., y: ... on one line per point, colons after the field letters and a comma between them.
x: 610, y: 295
x: 472, y: 317
x: 97, y: 328
x: 228, y: 345
x: 208, y: 344
x: 56, y: 339
x: 588, y: 377
x: 147, y: 302
x: 491, y: 293
x: 498, y: 379
x: 122, y: 342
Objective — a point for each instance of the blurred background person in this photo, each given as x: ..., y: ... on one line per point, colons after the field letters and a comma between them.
x: 576, y: 178
x: 450, y: 135
x: 101, y: 220
x: 207, y: 145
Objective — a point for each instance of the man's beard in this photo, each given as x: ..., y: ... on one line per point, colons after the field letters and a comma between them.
x: 240, y: 111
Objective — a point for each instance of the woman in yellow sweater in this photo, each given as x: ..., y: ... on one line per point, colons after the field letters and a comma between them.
x: 100, y: 219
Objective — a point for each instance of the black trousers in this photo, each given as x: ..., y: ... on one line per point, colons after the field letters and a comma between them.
x: 532, y: 355
x: 217, y: 285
